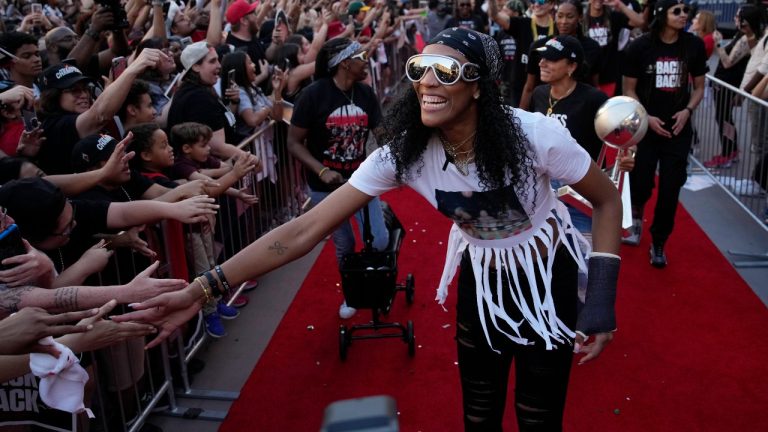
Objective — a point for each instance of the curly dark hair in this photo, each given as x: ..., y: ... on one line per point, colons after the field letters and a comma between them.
x: 502, y: 150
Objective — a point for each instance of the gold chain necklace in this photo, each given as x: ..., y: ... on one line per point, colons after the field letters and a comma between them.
x: 553, y: 102
x: 349, y: 98
x: 460, y: 158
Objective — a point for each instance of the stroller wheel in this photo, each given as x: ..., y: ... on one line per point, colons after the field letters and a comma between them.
x: 343, y: 342
x: 410, y: 284
x: 410, y: 338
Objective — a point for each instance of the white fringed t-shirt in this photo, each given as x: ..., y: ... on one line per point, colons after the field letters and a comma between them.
x: 500, y: 225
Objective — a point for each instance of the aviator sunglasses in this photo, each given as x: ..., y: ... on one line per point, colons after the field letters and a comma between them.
x: 679, y: 10
x: 447, y: 70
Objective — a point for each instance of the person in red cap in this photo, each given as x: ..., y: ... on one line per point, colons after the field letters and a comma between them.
x: 245, y: 19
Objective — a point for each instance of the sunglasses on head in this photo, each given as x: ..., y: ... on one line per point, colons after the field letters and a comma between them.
x: 447, y: 70
x: 362, y: 55
x: 678, y: 10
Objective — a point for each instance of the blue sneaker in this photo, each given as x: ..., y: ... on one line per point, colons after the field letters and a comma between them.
x: 226, y: 312
x: 213, y: 325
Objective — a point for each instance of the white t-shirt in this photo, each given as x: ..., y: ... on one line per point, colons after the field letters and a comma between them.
x: 758, y: 55
x: 502, y: 220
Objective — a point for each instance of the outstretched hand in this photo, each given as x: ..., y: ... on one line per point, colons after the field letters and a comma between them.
x: 166, y: 312
x: 22, y: 331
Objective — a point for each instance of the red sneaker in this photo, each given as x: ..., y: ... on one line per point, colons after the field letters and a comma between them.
x: 717, y: 162
x: 251, y: 285
x: 240, y: 301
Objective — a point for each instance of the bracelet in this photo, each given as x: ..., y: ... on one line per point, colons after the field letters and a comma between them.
x: 690, y: 110
x: 213, y: 284
x: 93, y: 34
x: 206, y: 292
x: 322, y: 171
x: 222, y: 278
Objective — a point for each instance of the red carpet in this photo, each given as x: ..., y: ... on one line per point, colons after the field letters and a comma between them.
x: 689, y: 355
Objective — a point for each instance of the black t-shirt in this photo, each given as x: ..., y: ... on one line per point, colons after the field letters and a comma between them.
x: 125, y: 264
x: 253, y: 47
x: 473, y: 22
x: 91, y: 219
x: 612, y: 34
x: 60, y: 132
x: 576, y: 112
x: 662, y: 72
x: 592, y: 59
x: 338, y: 127
x: 509, y: 53
x: 525, y: 32
x: 199, y: 103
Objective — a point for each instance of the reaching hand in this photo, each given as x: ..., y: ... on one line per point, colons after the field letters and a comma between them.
x: 247, y: 198
x: 129, y: 239
x: 18, y: 96
x: 96, y: 258
x: 27, y: 268
x: 104, y: 332
x: 594, y: 349
x: 195, y: 209
x: 102, y: 20
x: 30, y: 142
x: 117, y: 163
x: 195, y: 188
x: 21, y: 331
x: 243, y: 166
x: 149, y: 58
x: 144, y: 287
x: 167, y: 312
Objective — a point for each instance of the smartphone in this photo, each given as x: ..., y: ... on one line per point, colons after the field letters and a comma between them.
x: 30, y: 118
x: 185, y: 41
x: 231, y: 78
x: 118, y: 66
x: 36, y: 8
x: 10, y: 244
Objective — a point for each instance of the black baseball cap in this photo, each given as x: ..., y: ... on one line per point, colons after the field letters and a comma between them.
x: 91, y: 150
x: 562, y: 47
x: 35, y: 204
x: 61, y: 76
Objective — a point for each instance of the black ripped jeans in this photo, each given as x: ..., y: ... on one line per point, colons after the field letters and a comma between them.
x: 541, y: 376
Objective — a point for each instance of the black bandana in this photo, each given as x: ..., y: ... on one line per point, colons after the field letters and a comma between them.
x: 477, y: 47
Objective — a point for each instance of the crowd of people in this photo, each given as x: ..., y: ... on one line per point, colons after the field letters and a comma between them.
x: 117, y: 115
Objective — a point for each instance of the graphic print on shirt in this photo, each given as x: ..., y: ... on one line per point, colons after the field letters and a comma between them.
x: 599, y: 34
x: 669, y: 72
x: 508, y: 47
x: 348, y: 127
x: 490, y: 215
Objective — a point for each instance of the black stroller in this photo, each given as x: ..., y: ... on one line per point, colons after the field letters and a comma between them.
x: 369, y: 281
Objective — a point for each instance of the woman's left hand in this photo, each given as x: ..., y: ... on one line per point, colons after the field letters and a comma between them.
x: 594, y: 349
x: 232, y: 94
x: 30, y: 142
x: 681, y: 118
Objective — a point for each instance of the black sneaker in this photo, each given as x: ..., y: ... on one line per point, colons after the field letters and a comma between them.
x: 658, y: 257
x: 634, y: 233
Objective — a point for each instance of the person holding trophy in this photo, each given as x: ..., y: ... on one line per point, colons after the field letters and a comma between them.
x: 657, y: 70
x: 451, y: 139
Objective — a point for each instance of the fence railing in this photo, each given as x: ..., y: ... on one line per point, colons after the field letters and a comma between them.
x: 731, y: 147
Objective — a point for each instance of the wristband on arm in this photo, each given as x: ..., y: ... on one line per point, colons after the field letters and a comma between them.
x: 598, y: 314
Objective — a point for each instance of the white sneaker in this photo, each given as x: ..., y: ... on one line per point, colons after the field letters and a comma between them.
x: 346, y: 312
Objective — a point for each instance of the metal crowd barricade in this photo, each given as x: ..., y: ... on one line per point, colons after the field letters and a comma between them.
x: 733, y: 125
x: 130, y: 387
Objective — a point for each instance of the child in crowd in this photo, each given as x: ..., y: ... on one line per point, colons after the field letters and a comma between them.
x: 155, y: 160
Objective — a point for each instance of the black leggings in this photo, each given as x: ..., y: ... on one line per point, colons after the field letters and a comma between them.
x: 541, y: 376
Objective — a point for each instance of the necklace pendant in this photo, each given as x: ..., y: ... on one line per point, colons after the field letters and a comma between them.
x: 549, y: 111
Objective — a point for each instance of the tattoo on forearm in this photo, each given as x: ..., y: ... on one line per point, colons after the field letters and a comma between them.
x: 279, y: 248
x: 10, y: 298
x: 66, y: 299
